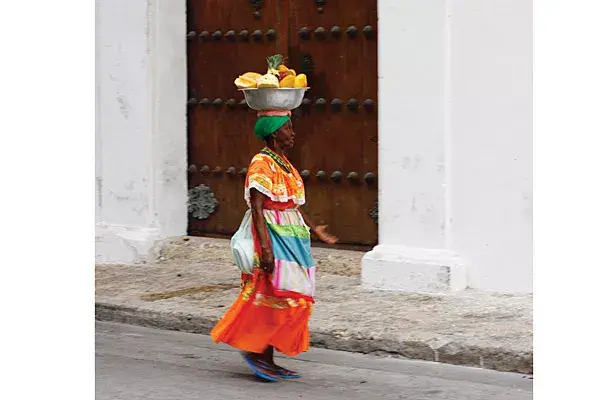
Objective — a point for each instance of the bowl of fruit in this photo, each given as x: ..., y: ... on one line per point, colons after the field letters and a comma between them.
x: 279, y: 89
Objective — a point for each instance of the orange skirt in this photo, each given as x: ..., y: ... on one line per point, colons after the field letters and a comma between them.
x: 258, y: 319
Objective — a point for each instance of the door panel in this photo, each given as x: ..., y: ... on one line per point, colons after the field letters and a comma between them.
x: 336, y: 128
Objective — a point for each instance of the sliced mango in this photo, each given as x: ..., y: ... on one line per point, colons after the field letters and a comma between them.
x: 300, y: 81
x: 288, y: 82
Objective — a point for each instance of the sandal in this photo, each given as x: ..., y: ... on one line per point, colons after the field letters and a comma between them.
x: 284, y: 373
x: 280, y: 372
x: 260, y: 369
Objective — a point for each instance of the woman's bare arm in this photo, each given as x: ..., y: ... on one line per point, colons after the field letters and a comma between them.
x: 318, y: 230
x: 307, y: 219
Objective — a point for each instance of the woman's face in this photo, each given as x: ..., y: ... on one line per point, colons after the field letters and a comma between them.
x: 285, y: 135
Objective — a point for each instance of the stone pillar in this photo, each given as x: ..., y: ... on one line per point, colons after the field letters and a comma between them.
x: 413, y: 254
x: 141, y: 138
x: 492, y: 142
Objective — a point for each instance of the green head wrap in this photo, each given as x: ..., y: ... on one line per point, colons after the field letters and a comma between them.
x: 267, y: 125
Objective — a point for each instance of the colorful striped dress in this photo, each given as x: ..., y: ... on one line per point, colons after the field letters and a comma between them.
x: 274, y: 309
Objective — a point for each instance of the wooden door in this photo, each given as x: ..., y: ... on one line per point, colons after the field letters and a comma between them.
x: 335, y: 43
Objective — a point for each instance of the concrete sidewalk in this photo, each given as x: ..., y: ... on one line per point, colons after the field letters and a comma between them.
x: 192, y: 281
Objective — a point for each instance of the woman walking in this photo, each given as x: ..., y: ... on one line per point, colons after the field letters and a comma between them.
x: 275, y: 303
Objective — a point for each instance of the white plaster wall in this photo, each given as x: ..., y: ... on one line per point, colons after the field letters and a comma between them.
x: 98, y: 139
x: 169, y: 115
x: 455, y: 146
x: 124, y: 137
x: 491, y: 141
x: 141, y: 126
x: 413, y: 138
x: 411, y: 123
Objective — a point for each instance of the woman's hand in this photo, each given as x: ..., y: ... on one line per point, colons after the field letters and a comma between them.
x: 267, y: 260
x: 324, y: 236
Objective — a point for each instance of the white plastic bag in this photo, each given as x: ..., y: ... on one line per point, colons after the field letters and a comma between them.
x: 242, y: 245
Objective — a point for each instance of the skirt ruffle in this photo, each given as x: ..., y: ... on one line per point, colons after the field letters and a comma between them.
x: 258, y: 319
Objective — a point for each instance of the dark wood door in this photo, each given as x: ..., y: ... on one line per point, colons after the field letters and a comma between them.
x: 335, y: 43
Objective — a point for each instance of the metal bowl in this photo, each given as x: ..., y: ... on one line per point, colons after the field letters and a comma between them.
x: 265, y: 99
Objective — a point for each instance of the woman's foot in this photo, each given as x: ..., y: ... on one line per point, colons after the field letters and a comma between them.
x: 285, y: 373
x: 259, y: 367
x: 268, y: 360
x: 278, y: 370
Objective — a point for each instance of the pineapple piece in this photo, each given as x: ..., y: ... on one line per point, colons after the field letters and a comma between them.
x: 268, y: 81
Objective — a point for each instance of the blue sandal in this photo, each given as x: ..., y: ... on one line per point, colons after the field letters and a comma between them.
x: 282, y: 373
x: 259, y: 370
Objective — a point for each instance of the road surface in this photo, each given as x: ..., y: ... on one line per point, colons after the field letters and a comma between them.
x: 139, y: 363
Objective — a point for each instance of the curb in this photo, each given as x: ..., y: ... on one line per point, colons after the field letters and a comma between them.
x: 450, y: 353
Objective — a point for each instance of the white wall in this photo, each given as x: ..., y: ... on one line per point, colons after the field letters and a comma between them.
x: 491, y: 141
x: 98, y: 139
x: 141, y: 126
x: 412, y: 254
x: 455, y: 146
x: 124, y: 110
x: 411, y: 123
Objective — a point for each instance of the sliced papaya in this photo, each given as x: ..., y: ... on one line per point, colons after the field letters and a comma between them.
x: 245, y: 83
x: 252, y: 75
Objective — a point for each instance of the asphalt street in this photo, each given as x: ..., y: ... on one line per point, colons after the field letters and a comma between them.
x: 146, y: 364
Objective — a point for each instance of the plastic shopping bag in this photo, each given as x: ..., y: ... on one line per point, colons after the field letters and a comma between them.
x: 242, y: 245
